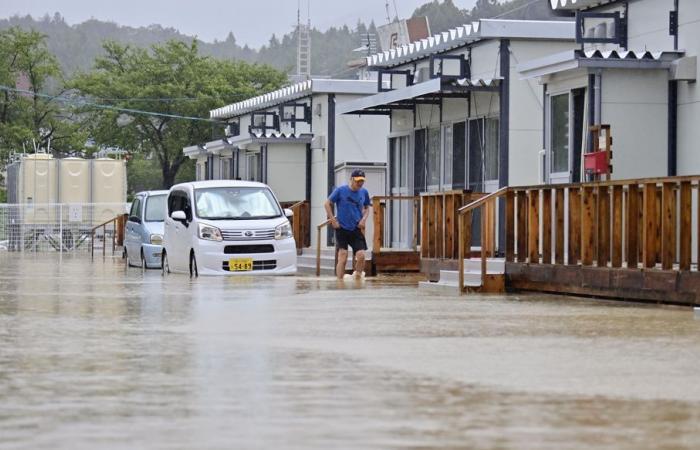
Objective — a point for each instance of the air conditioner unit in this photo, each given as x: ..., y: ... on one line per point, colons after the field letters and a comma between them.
x: 685, y: 69
x: 318, y: 142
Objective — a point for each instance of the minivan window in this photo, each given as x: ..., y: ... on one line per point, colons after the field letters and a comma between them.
x: 136, y: 208
x: 155, y: 208
x: 224, y: 203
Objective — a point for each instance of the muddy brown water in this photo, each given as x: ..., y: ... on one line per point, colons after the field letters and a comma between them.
x: 93, y: 356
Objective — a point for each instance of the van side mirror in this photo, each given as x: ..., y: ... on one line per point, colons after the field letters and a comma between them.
x: 134, y: 219
x: 288, y: 212
x: 179, y: 215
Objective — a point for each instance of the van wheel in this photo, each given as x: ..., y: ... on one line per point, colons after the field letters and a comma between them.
x: 193, y: 266
x: 126, y: 256
x: 165, y: 267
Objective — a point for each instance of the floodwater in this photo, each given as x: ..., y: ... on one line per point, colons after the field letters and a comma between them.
x: 93, y: 356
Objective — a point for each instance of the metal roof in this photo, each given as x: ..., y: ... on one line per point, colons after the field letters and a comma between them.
x: 482, y: 29
x: 577, y: 4
x: 295, y: 91
x: 592, y: 58
x: 385, y: 101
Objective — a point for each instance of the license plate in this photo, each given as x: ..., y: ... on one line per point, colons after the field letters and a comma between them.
x: 240, y: 264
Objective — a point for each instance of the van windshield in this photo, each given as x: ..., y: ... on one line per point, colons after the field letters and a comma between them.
x: 225, y: 203
x: 155, y: 208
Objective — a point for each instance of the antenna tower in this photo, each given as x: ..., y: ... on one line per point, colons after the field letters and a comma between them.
x: 304, y: 44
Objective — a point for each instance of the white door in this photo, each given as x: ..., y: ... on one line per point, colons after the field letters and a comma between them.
x: 177, y: 233
x: 401, y: 211
x: 132, y: 238
x: 566, y: 135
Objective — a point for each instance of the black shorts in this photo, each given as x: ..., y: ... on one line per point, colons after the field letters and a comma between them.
x: 354, y: 239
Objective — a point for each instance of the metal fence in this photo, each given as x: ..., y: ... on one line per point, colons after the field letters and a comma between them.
x: 57, y: 227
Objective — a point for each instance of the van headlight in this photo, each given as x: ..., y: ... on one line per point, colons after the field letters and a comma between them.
x: 283, y: 231
x: 209, y: 233
x: 157, y: 239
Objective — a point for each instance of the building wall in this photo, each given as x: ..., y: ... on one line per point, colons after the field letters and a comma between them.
x: 526, y: 111
x: 635, y: 105
x: 689, y: 93
x: 286, y: 169
x: 319, y: 162
x: 360, y: 138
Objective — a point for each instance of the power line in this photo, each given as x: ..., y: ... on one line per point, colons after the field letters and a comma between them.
x: 80, y: 102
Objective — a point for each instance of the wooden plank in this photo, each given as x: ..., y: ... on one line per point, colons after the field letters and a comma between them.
x: 659, y: 212
x: 510, y: 226
x: 632, y: 226
x: 546, y: 226
x: 574, y: 226
x: 378, y: 218
x: 382, y: 225
x: 668, y: 225
x: 587, y: 226
x: 416, y: 216
x: 450, y: 227
x: 686, y: 212
x: 467, y: 230
x: 617, y: 226
x: 424, y: 227
x: 522, y: 226
x: 650, y: 224
x: 640, y: 232
x: 533, y: 226
x: 603, y: 221
x: 559, y: 226
x: 440, y: 226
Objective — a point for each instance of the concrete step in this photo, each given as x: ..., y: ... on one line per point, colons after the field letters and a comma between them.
x: 493, y: 265
x: 306, y: 262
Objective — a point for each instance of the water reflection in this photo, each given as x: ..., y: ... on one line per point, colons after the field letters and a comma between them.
x: 93, y: 356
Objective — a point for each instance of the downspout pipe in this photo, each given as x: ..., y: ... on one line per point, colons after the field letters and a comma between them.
x: 672, y: 162
x: 331, y: 156
x: 503, y: 137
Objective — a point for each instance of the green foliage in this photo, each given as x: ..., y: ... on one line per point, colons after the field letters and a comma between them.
x: 138, y: 79
x: 3, y: 196
x: 30, y: 117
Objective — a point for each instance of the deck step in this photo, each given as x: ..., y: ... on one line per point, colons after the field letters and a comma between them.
x: 306, y: 262
x: 449, y: 279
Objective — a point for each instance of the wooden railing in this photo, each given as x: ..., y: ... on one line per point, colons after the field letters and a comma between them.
x: 639, y: 223
x: 488, y: 207
x: 301, y: 223
x: 379, y: 211
x: 117, y: 234
x: 319, y: 227
x: 439, y: 224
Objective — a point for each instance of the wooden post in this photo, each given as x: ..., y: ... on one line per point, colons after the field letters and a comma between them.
x: 460, y: 234
x: 533, y: 226
x: 603, y: 217
x: 617, y: 227
x: 522, y: 226
x: 510, y: 226
x: 587, y: 226
x: 318, y: 252
x: 668, y: 225
x: 450, y: 226
x: 546, y: 226
x: 439, y: 230
x: 574, y: 226
x: 424, y: 200
x: 377, y: 219
x: 686, y: 211
x: 416, y: 208
x: 559, y: 226
x: 484, y: 250
x: 632, y: 226
x: 650, y: 224
x: 467, y: 234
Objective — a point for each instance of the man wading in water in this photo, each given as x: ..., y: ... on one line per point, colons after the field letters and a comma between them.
x: 352, y: 204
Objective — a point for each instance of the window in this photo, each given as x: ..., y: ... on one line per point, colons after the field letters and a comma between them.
x: 433, y: 157
x: 419, y: 172
x: 483, y: 152
x: 136, y: 208
x: 491, y: 149
x: 560, y: 133
x: 180, y: 201
x: 236, y: 203
x: 253, y: 166
x: 458, y: 152
x: 155, y: 208
x: 447, y: 156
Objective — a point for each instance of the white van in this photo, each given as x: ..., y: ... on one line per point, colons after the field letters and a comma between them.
x: 227, y: 227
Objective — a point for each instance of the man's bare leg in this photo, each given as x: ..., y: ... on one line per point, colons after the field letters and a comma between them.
x: 359, y: 263
x: 342, y: 260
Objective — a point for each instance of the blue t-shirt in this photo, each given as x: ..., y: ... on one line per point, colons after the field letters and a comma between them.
x: 349, y: 205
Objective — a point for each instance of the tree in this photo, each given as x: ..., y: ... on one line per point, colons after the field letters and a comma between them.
x: 30, y: 112
x: 176, y: 83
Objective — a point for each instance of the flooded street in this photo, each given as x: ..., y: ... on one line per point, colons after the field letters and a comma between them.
x: 93, y: 356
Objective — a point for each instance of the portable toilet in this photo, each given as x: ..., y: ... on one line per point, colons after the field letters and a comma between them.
x: 74, y: 188
x: 38, y: 188
x: 108, y: 189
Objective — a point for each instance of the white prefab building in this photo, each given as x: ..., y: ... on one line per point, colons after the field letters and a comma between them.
x: 634, y: 70
x: 293, y: 140
x: 461, y: 117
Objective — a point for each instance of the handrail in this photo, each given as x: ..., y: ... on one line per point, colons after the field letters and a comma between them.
x: 476, y: 203
x: 462, y: 211
x: 657, y: 180
x: 300, y: 225
x: 318, y: 246
x: 117, y: 227
x: 379, y: 219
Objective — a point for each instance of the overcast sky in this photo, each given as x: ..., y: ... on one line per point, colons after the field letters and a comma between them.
x: 251, y: 21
